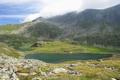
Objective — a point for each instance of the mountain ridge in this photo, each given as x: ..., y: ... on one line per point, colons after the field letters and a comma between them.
x: 88, y: 23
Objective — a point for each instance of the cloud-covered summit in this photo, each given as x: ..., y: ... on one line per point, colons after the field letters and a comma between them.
x: 27, y: 10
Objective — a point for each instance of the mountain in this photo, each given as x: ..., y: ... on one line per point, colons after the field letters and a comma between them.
x: 92, y: 26
x: 90, y: 21
x: 40, y: 30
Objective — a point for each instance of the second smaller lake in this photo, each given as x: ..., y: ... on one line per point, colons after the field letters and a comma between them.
x: 57, y: 58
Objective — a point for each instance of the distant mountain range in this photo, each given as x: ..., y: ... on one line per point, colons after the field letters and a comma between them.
x: 84, y: 26
x: 90, y: 21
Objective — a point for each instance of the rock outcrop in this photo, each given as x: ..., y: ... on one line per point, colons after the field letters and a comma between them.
x: 12, y: 68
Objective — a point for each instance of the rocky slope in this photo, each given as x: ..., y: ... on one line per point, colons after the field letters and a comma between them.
x: 27, y: 69
x: 12, y: 68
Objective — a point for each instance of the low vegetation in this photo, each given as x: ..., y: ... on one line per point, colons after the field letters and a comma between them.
x: 6, y: 50
x: 103, y: 40
x: 42, y: 31
x: 79, y: 70
x: 7, y: 29
x: 16, y: 41
x: 69, y: 47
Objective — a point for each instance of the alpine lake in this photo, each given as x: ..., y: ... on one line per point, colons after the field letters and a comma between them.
x: 57, y: 58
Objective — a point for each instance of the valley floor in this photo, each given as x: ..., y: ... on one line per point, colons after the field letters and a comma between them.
x: 29, y: 69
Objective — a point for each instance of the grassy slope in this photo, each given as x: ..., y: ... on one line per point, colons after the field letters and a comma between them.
x: 67, y: 47
x: 92, y: 70
x: 5, y: 29
x: 5, y: 50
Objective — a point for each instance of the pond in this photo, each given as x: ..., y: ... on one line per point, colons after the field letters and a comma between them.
x: 57, y: 58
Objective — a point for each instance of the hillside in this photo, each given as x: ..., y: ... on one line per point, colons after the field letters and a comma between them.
x: 92, y: 26
x: 5, y: 50
x: 90, y: 21
x: 9, y: 29
x: 40, y: 30
x: 17, y: 41
x: 66, y: 47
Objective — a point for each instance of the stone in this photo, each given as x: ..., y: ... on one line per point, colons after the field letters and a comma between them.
x: 60, y: 70
x: 37, y: 78
x: 43, y: 74
x: 11, y: 68
x: 73, y: 65
x: 4, y: 76
x: 51, y: 74
x: 113, y: 79
x: 73, y: 72
x: 23, y: 74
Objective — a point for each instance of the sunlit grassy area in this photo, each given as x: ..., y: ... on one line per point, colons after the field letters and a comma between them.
x: 67, y: 47
x: 4, y: 29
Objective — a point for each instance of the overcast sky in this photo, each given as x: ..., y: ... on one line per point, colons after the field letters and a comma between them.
x: 17, y: 11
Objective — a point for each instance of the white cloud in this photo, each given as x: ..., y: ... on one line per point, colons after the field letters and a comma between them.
x: 60, y: 7
x: 57, y: 7
x: 100, y: 4
x: 13, y: 16
x: 48, y: 8
x: 31, y: 17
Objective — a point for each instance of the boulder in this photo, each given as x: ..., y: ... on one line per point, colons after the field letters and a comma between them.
x: 37, y: 78
x: 59, y: 70
x: 113, y: 79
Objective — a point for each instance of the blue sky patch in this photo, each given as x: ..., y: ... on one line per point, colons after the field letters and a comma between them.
x: 7, y: 12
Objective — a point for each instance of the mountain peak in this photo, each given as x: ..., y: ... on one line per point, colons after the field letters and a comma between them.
x: 39, y: 19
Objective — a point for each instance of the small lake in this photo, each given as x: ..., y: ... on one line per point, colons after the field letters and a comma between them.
x: 57, y: 58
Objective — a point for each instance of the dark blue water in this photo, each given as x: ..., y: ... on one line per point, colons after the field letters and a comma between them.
x: 56, y: 58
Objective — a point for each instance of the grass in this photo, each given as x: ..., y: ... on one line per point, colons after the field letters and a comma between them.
x: 95, y: 70
x: 67, y: 47
x: 89, y: 70
x: 5, y: 50
x: 7, y: 29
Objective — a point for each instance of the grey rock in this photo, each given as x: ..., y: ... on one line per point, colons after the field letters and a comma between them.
x: 9, y: 67
x: 60, y: 70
